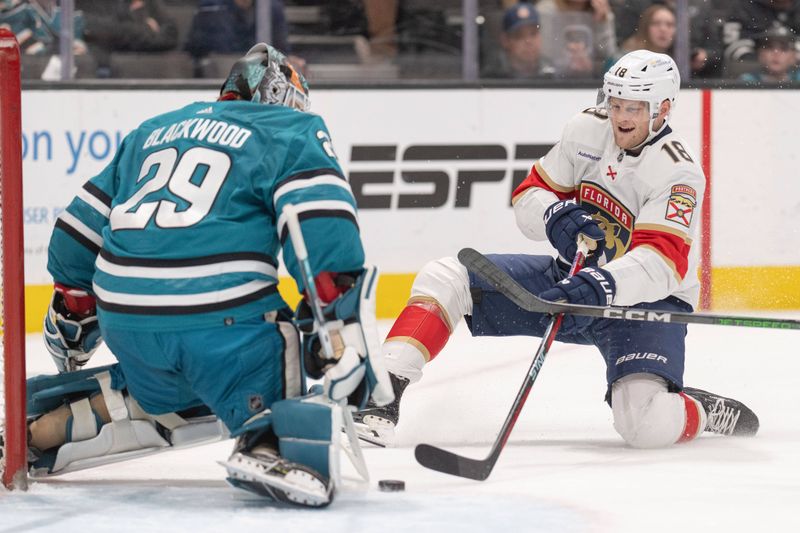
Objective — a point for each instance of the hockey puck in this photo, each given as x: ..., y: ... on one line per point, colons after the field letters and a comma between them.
x: 391, y: 485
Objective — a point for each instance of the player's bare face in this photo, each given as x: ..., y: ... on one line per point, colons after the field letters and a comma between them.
x: 629, y: 120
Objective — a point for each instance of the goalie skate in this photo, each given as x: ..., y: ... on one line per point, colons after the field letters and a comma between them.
x: 376, y: 425
x: 725, y: 416
x: 264, y: 472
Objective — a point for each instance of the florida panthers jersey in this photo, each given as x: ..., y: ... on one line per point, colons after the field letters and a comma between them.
x: 646, y: 202
x: 183, y: 228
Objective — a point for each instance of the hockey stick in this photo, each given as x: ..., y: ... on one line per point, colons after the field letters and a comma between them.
x: 500, y: 280
x: 355, y: 454
x: 312, y: 298
x: 479, y: 469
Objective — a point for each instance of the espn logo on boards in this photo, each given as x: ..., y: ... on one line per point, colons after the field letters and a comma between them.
x: 442, y: 167
x: 641, y: 355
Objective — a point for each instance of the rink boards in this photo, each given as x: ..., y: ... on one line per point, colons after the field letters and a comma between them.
x: 433, y: 171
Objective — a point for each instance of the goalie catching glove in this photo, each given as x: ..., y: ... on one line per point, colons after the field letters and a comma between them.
x: 71, y: 331
x: 356, y: 370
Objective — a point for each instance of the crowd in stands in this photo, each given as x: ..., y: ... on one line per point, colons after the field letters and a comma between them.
x: 750, y: 40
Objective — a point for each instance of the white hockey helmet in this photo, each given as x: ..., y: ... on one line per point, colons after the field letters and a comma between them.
x: 645, y: 76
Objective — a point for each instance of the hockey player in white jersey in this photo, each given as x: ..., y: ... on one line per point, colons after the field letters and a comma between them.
x: 621, y: 177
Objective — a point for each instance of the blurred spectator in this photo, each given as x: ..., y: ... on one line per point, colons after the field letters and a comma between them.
x: 28, y: 25
x: 381, y: 18
x: 521, y: 44
x: 655, y: 31
x: 128, y: 26
x: 229, y: 27
x: 36, y: 29
x: 751, y: 18
x: 578, y: 35
x: 777, y: 57
x: 704, y: 30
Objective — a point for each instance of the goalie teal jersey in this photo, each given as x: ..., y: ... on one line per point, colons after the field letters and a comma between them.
x: 183, y: 228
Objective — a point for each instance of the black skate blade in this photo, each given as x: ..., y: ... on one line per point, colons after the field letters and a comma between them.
x: 370, y: 440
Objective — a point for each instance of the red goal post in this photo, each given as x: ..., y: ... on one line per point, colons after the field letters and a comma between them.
x: 12, y: 358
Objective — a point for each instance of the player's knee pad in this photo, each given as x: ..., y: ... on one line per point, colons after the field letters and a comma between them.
x: 446, y: 282
x: 646, y: 415
x: 123, y: 430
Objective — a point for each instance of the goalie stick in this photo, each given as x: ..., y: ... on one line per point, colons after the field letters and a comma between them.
x: 479, y: 469
x: 353, y: 452
x: 500, y: 280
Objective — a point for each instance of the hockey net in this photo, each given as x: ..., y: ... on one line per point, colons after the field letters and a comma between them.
x: 12, y: 357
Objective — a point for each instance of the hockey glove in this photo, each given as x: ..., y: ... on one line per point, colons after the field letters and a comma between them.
x: 71, y: 331
x: 356, y: 370
x: 590, y: 286
x: 564, y: 222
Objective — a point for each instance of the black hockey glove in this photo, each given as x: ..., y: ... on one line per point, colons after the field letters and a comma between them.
x: 564, y: 221
x: 590, y: 286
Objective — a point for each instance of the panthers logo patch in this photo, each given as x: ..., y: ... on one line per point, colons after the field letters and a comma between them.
x: 681, y: 204
x: 612, y: 217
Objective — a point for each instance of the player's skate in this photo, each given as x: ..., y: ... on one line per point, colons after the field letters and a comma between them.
x: 263, y: 471
x: 376, y: 424
x: 725, y: 415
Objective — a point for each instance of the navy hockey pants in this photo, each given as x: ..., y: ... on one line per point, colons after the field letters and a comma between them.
x: 628, y: 347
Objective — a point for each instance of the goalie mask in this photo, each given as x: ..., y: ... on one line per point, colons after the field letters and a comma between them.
x: 264, y: 75
x: 644, y: 76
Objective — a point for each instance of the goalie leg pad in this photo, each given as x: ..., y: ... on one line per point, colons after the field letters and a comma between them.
x: 305, y: 471
x: 308, y: 432
x: 108, y: 427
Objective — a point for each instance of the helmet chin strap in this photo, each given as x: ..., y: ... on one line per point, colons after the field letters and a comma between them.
x: 650, y: 132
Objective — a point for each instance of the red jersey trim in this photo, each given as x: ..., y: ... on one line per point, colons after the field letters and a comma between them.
x: 672, y: 248
x: 539, y: 178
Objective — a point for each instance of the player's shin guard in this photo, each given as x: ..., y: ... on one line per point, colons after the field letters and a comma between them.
x: 417, y: 336
x: 439, y: 298
x: 291, y: 453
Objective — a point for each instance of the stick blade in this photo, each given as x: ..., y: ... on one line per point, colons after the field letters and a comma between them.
x: 451, y: 463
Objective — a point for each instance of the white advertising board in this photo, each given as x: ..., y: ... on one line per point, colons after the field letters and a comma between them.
x: 433, y: 169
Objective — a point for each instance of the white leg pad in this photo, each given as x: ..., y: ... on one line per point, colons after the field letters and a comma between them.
x: 645, y: 414
x: 131, y: 433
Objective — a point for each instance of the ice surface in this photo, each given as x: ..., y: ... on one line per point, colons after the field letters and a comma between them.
x: 564, y: 470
